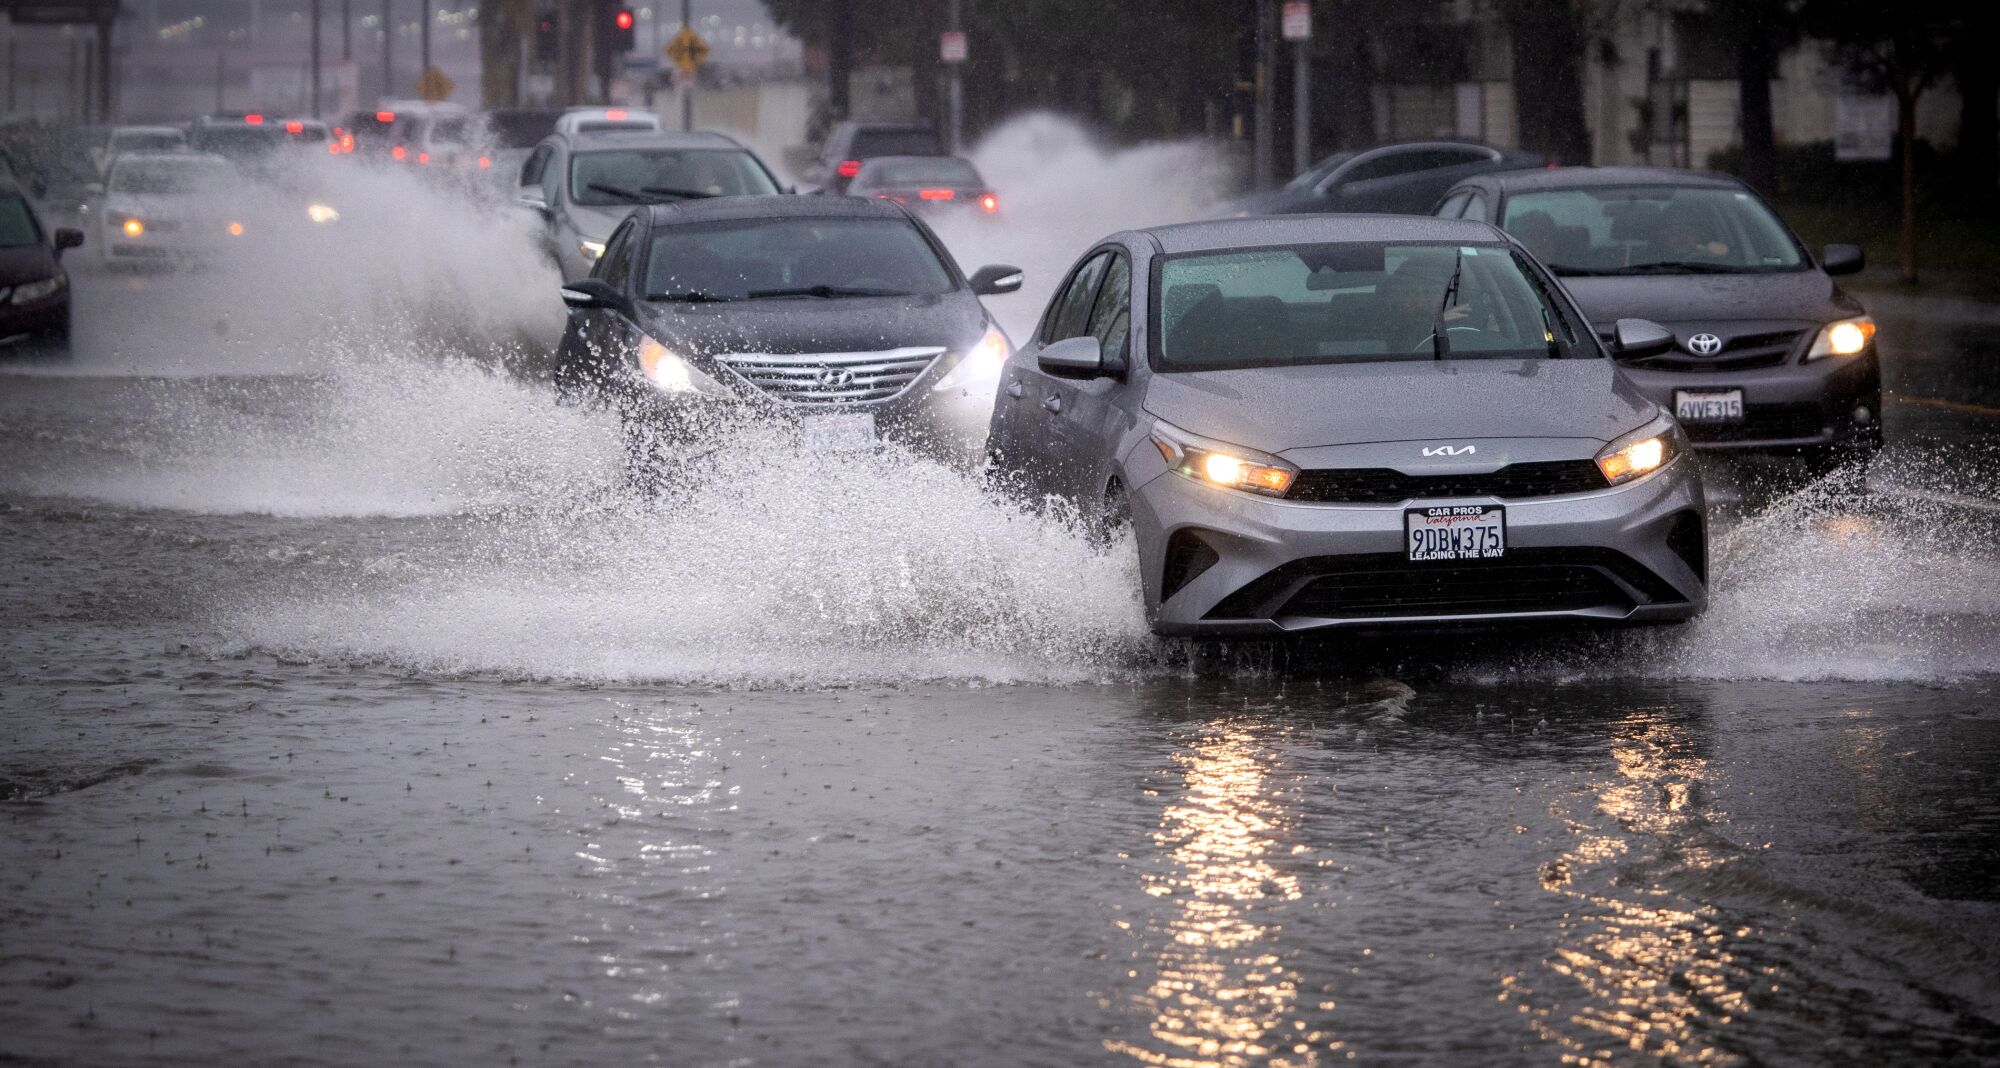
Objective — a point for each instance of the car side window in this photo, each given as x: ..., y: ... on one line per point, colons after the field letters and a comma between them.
x: 1453, y: 206
x: 1475, y: 208
x: 615, y: 266
x: 1111, y: 319
x: 531, y: 170
x: 1071, y: 316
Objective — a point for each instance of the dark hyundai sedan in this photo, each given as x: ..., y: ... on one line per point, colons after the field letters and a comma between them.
x: 1770, y: 353
x: 34, y: 288
x: 845, y: 317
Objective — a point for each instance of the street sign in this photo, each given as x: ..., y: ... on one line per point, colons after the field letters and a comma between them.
x: 951, y: 46
x: 687, y: 50
x: 1298, y: 20
x: 433, y: 85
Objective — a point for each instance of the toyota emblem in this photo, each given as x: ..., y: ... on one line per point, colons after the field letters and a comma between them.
x: 835, y: 378
x: 1704, y: 344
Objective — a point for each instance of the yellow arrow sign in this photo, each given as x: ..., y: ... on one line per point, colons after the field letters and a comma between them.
x: 433, y: 85
x: 687, y: 50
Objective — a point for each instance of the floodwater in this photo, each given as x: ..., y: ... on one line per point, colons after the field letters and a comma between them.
x: 353, y: 712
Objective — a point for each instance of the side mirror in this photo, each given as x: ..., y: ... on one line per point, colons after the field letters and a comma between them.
x: 1638, y: 338
x: 1072, y: 356
x: 590, y: 293
x: 68, y: 238
x: 531, y: 198
x: 1842, y: 259
x: 994, y: 279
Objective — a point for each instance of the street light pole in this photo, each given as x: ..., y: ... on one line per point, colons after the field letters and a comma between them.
x: 1301, y: 103
x: 424, y: 31
x: 313, y: 15
x: 1263, y: 114
x: 388, y: 48
x: 956, y: 25
x: 687, y: 80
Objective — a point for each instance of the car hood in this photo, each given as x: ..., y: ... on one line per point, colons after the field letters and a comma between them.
x: 26, y: 263
x: 1279, y: 408
x: 811, y: 324
x: 1804, y: 296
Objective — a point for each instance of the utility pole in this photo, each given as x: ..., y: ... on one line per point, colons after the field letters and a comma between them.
x: 313, y: 16
x: 388, y: 48
x: 687, y: 80
x: 840, y: 57
x: 1298, y: 30
x: 1264, y: 115
x: 424, y: 31
x: 347, y: 31
x: 957, y: 26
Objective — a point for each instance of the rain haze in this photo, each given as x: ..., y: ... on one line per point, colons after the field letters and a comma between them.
x: 919, y: 532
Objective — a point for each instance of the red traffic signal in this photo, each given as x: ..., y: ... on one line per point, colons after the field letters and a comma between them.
x: 621, y: 30
x: 623, y: 18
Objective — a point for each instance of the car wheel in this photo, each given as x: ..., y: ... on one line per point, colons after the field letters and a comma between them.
x: 52, y: 343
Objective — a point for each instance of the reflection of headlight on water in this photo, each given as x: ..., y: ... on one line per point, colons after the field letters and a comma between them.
x: 670, y: 373
x: 981, y: 365
x: 322, y: 213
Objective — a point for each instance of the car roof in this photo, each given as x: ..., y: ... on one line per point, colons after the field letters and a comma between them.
x: 1597, y: 177
x: 1222, y: 234
x: 773, y: 206
x: 148, y: 129
x: 647, y: 139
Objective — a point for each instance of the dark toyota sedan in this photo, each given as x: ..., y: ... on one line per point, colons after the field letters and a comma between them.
x: 842, y: 316
x: 34, y: 288
x: 1769, y: 352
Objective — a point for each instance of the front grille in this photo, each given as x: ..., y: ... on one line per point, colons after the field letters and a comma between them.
x: 1382, y: 485
x: 1383, y: 585
x: 1741, y: 353
x: 1764, y: 421
x: 819, y: 378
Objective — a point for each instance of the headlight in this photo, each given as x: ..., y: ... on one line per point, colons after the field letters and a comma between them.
x: 670, y: 373
x: 132, y: 227
x: 1219, y: 464
x: 322, y: 213
x: 34, y: 291
x: 981, y: 363
x: 591, y: 249
x: 1844, y: 338
x: 1641, y: 452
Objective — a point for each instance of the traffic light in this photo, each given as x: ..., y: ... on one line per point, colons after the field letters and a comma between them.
x: 548, y: 45
x: 621, y: 30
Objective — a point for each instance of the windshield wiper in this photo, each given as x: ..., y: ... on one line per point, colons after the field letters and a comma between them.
x: 693, y: 296
x: 684, y: 194
x: 1441, y: 334
x: 617, y: 191
x: 827, y: 292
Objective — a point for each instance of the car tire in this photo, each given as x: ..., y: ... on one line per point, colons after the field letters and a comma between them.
x: 52, y: 343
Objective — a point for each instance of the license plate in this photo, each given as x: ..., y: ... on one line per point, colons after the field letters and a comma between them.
x: 1456, y: 532
x: 1715, y: 406
x: 845, y: 432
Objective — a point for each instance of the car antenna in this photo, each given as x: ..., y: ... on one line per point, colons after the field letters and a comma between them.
x: 1440, y: 336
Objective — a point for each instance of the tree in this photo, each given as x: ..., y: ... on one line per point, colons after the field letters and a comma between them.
x: 1977, y: 77
x: 1759, y: 31
x: 1549, y: 38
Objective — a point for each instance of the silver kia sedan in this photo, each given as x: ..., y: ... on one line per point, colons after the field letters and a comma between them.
x: 1353, y: 421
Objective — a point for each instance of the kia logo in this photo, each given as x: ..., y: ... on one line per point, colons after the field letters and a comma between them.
x: 1450, y: 450
x: 1704, y: 344
x: 835, y: 378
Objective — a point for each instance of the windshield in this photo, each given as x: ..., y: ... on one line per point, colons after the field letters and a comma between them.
x: 810, y: 257
x: 17, y: 227
x: 945, y: 171
x: 629, y: 176
x: 1354, y: 303
x: 1651, y: 230
x: 147, y: 141
x: 163, y: 176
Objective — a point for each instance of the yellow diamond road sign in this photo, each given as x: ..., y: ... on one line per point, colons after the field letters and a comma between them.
x: 687, y: 50
x: 432, y: 85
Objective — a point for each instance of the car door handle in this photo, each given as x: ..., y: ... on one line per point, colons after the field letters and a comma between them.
x: 1014, y: 389
x: 1053, y: 402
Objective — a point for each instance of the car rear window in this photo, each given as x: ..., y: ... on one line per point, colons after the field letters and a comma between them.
x: 915, y: 141
x: 17, y: 226
x: 239, y: 142
x: 147, y: 141
x: 736, y: 258
x: 943, y: 171
x: 1650, y: 230
x: 1354, y: 303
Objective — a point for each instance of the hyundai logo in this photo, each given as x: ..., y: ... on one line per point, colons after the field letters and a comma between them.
x: 1704, y: 344
x: 1450, y: 450
x: 835, y: 378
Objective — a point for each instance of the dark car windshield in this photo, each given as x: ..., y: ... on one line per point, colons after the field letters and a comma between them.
x: 1354, y: 303
x: 1651, y: 230
x: 915, y: 141
x: 635, y: 175
x: 940, y: 171
x: 816, y: 257
x: 17, y: 227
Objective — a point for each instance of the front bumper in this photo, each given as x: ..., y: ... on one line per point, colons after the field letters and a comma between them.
x: 1831, y: 401
x: 1631, y: 554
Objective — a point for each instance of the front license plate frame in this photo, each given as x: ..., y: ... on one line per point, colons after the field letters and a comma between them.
x: 1455, y: 532
x: 1708, y: 407
x: 838, y: 431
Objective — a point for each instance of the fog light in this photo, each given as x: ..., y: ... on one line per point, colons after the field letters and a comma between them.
x: 133, y: 228
x: 235, y: 229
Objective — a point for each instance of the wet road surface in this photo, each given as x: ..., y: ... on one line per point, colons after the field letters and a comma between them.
x: 351, y: 714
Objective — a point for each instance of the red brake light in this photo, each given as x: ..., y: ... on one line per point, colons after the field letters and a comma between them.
x: 485, y: 162
x: 423, y: 157
x: 615, y: 114
x: 295, y: 127
x: 848, y: 168
x: 989, y: 203
x: 385, y: 116
x: 333, y: 148
x: 254, y: 119
x: 936, y: 194
x: 398, y: 152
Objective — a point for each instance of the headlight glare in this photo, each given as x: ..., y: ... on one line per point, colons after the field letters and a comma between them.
x: 1846, y: 337
x: 1640, y: 453
x: 981, y: 363
x: 132, y: 227
x: 1218, y: 464
x: 322, y: 213
x: 670, y: 373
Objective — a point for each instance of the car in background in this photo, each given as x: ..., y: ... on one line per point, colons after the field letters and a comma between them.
x: 247, y: 138
x: 124, y: 139
x: 1769, y: 352
x: 443, y: 137
x: 1401, y: 179
x: 512, y: 133
x: 846, y: 317
x: 926, y: 184
x: 1352, y: 422
x: 583, y: 120
x: 365, y: 134
x: 34, y: 287
x: 584, y: 184
x: 851, y: 143
x: 309, y: 136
